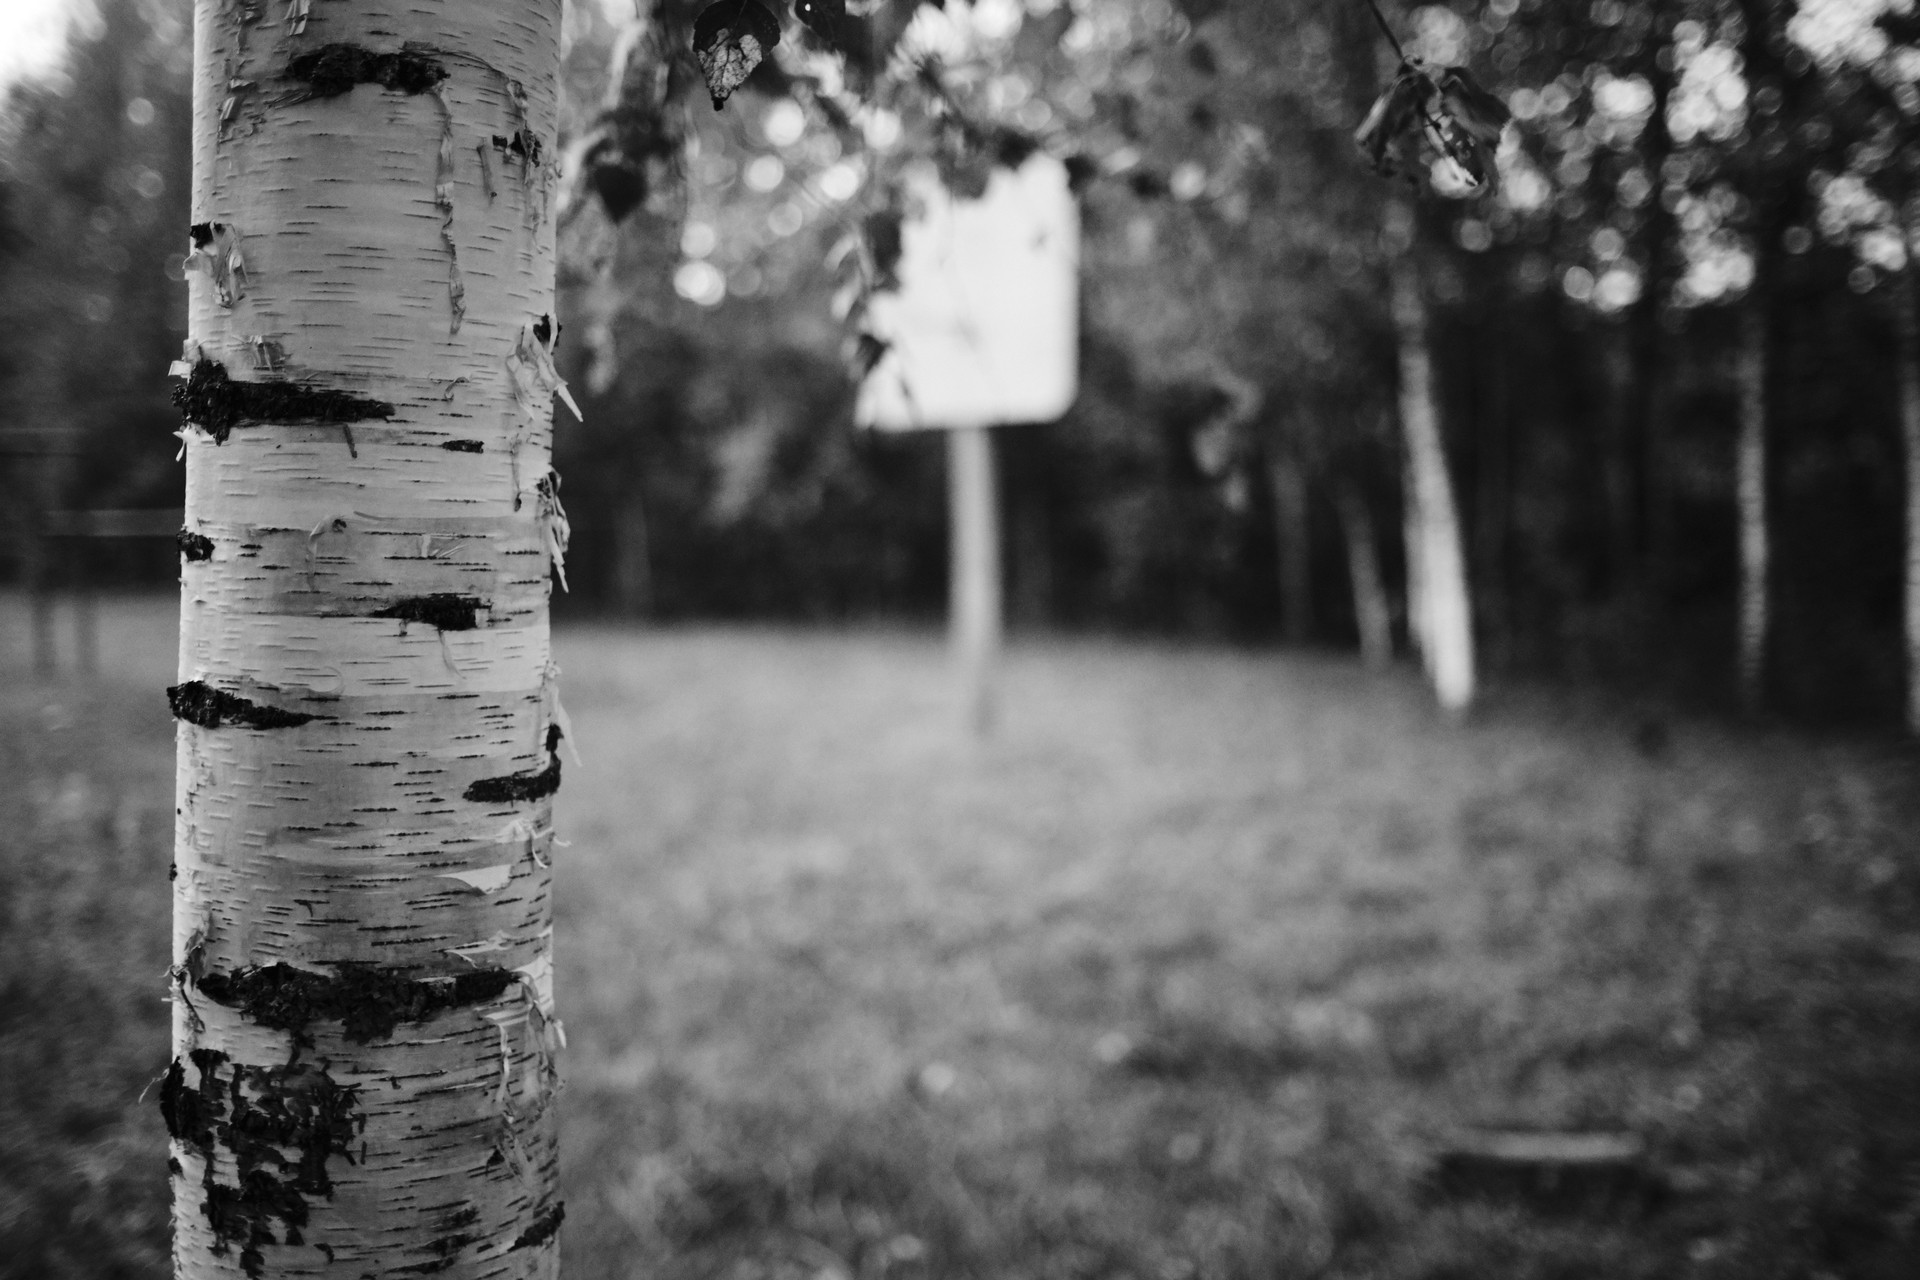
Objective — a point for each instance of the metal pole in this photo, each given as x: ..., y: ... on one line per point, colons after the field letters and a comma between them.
x: 974, y: 577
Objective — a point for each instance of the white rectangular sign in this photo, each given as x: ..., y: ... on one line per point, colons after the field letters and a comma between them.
x: 984, y: 328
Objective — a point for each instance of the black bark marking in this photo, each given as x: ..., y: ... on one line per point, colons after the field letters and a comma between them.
x: 443, y: 609
x: 547, y: 333
x: 210, y: 708
x: 193, y: 546
x: 519, y: 143
x: 543, y: 1227
x: 281, y: 1124
x: 522, y: 786
x: 463, y: 446
x: 334, y: 69
x: 449, y: 1245
x: 201, y: 233
x: 217, y: 404
x: 367, y: 1001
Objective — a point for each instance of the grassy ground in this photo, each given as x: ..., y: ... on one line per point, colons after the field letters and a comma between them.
x: 1188, y: 973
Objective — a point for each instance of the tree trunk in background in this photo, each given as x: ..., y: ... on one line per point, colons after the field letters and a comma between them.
x: 1906, y: 307
x: 1371, y: 613
x: 633, y: 558
x: 1620, y: 478
x: 1439, y: 611
x: 1033, y: 561
x: 1750, y: 482
x: 1648, y: 340
x: 1290, y: 528
x: 1410, y: 531
x: 1493, y: 493
x: 362, y: 1017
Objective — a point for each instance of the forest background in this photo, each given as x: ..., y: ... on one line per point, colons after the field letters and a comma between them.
x: 1680, y: 176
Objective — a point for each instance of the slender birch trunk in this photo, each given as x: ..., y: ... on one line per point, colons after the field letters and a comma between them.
x: 1439, y: 611
x: 363, y: 1012
x: 1370, y: 612
x: 1906, y: 309
x: 1290, y: 528
x: 1411, y: 530
x: 1750, y: 482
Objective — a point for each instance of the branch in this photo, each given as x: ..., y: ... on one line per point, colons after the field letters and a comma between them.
x: 1392, y: 39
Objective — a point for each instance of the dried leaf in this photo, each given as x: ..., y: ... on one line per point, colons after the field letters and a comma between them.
x: 1480, y: 113
x: 1425, y: 118
x: 1394, y: 114
x: 731, y: 38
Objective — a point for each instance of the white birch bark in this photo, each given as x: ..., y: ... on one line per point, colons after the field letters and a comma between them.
x: 1750, y: 483
x: 1907, y: 360
x: 1439, y: 611
x: 363, y: 1011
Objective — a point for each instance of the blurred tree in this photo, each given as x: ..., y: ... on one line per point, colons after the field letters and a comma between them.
x: 93, y: 160
x: 1868, y: 186
x: 369, y: 725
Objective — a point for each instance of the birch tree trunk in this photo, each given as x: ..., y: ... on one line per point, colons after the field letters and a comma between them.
x: 1370, y: 612
x: 1906, y: 310
x: 363, y: 1011
x: 1290, y: 527
x: 1750, y: 484
x: 1439, y: 611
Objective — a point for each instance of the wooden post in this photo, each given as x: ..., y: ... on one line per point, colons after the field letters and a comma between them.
x: 974, y: 577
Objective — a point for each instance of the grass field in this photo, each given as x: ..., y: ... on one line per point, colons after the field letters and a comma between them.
x: 1190, y: 972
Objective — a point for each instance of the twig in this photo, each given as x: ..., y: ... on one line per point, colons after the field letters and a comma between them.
x: 1392, y: 39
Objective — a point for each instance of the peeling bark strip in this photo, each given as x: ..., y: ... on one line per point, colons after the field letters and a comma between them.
x: 443, y: 610
x: 281, y: 1124
x: 334, y: 69
x: 542, y: 1229
x: 199, y: 703
x: 217, y: 404
x: 193, y: 546
x: 368, y: 1002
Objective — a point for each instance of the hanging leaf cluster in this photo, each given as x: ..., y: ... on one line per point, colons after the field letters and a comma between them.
x: 732, y: 38
x: 1429, y: 114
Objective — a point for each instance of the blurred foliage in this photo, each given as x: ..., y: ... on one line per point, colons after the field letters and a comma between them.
x: 94, y: 173
x: 1670, y: 164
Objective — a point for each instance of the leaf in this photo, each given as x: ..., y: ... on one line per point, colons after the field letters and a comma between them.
x: 1393, y: 115
x: 1423, y: 118
x: 1480, y: 113
x: 731, y: 38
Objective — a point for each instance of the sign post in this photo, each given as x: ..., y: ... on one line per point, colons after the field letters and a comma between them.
x: 982, y: 332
